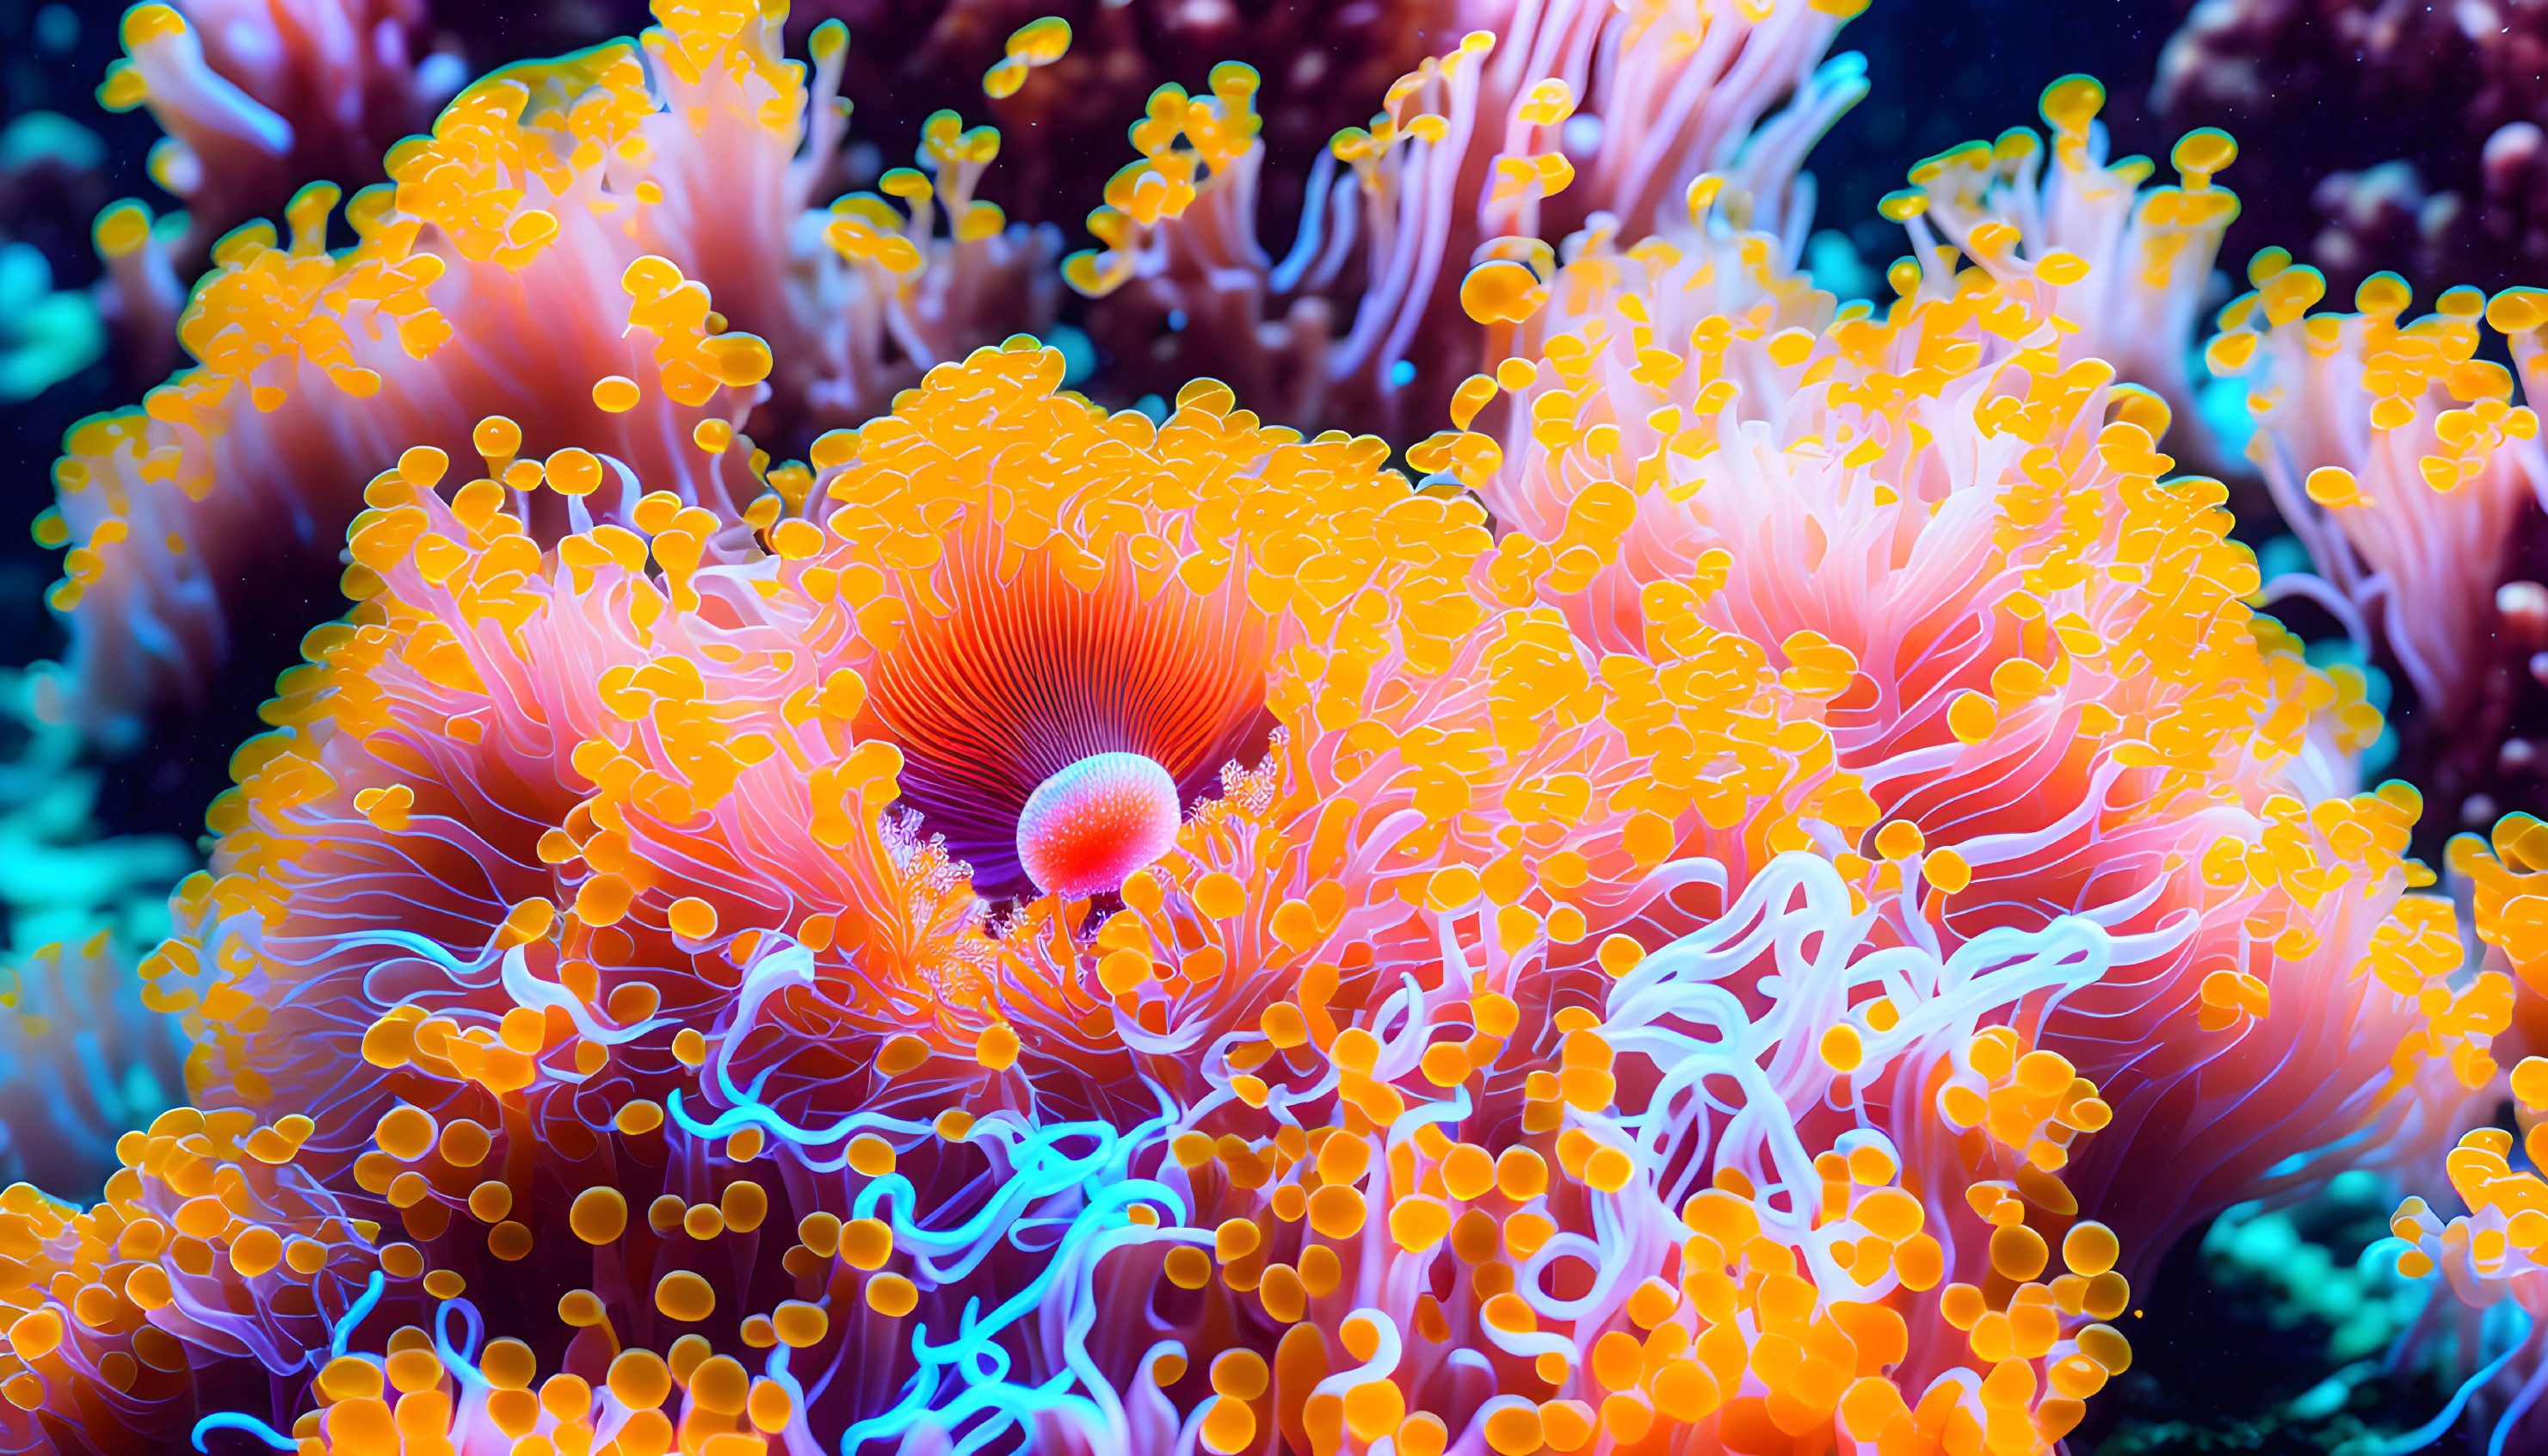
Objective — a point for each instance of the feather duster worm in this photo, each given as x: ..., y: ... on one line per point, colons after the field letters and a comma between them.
x: 548, y: 254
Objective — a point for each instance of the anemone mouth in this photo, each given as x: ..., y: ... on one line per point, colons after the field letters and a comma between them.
x: 1024, y: 673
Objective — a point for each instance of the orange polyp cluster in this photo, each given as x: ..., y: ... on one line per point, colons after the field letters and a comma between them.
x: 2032, y: 1103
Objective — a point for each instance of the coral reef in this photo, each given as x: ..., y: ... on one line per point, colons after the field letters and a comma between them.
x: 827, y: 890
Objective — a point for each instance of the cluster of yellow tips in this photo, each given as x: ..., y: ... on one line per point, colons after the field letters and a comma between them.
x: 125, y: 87
x: 206, y: 1212
x: 2501, y: 1241
x: 1037, y: 44
x: 1677, y: 1350
x: 1412, y: 111
x: 408, y: 1400
x: 866, y: 229
x: 1184, y: 141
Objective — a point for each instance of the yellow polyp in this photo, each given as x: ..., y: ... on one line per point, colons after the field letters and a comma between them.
x: 1040, y: 42
x: 1899, y: 838
x: 2062, y: 269
x: 124, y: 88
x: 2290, y: 293
x: 496, y: 437
x: 421, y: 466
x: 1005, y: 77
x: 530, y: 920
x: 144, y: 24
x: 1500, y: 291
x: 2070, y: 103
x: 1841, y: 1048
x: 2203, y: 152
x: 684, y: 1296
x: 615, y: 394
x: 1973, y: 717
x: 2089, y: 1248
x: 121, y: 228
x: 2267, y: 263
x: 1947, y: 870
x: 573, y: 472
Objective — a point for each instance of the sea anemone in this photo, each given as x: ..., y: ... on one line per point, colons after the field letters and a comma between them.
x: 1737, y: 904
x: 1542, y: 119
x: 1728, y: 1125
x: 549, y: 253
x: 2014, y: 656
x: 2492, y: 1258
x: 261, y: 97
x: 2397, y: 456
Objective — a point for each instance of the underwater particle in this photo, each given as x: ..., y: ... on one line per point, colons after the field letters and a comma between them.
x: 1088, y: 828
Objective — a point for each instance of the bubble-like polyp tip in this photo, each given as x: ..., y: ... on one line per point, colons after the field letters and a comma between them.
x: 1090, y: 827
